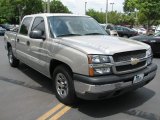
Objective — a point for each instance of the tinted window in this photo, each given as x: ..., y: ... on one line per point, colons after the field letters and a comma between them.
x: 119, y: 29
x: 25, y: 26
x: 125, y: 29
x: 38, y: 24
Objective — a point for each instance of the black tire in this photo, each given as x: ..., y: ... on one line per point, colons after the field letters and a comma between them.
x: 63, y: 85
x: 13, y: 61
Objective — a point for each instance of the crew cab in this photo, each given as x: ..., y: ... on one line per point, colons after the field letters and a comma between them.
x: 79, y: 57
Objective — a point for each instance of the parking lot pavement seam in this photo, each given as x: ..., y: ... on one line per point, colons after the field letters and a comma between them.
x: 142, y: 114
x: 46, y: 115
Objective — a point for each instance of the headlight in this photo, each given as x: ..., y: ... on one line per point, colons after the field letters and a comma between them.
x: 100, y: 71
x: 149, y: 60
x: 149, y: 56
x: 94, y: 59
x: 149, y: 52
x: 104, y: 59
x: 99, y: 65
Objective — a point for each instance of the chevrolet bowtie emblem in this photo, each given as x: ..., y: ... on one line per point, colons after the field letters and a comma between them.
x: 134, y: 61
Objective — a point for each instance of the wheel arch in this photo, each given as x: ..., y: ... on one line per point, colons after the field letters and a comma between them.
x: 54, y: 63
x: 8, y: 45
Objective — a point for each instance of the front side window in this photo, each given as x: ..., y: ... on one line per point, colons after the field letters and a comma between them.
x: 74, y: 25
x: 25, y: 26
x: 38, y: 24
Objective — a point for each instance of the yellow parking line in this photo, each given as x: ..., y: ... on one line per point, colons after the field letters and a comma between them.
x: 50, y: 112
x: 60, y: 113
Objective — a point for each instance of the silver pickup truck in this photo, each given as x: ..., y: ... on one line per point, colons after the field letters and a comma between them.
x: 78, y: 55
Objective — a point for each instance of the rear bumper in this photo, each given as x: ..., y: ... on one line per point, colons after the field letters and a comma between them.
x: 108, y: 86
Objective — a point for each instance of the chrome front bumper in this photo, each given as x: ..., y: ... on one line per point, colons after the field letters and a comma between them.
x: 85, y: 90
x: 83, y: 87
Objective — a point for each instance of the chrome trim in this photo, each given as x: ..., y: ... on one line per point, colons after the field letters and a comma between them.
x: 115, y: 64
x: 128, y: 62
x: 128, y: 71
x: 83, y: 87
x: 101, y: 65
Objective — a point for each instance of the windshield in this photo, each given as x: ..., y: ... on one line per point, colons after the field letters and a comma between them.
x: 103, y: 26
x: 74, y: 26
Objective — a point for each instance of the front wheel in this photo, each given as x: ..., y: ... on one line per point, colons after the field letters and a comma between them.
x: 63, y: 85
x: 14, y: 62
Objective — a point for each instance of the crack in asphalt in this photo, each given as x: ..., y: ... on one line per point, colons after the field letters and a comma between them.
x: 16, y: 82
x: 142, y: 114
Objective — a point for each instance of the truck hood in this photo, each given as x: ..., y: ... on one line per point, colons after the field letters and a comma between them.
x: 102, y: 44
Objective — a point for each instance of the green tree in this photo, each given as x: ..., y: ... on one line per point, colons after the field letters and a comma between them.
x: 6, y: 10
x: 26, y: 7
x: 13, y: 10
x: 148, y: 10
x: 56, y: 6
x: 114, y: 17
x: 32, y: 6
x: 99, y: 16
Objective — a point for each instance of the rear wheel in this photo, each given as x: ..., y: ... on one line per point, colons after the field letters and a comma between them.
x: 13, y: 61
x: 63, y: 85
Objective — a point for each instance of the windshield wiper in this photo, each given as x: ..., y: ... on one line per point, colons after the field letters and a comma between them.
x: 94, y: 34
x: 63, y: 35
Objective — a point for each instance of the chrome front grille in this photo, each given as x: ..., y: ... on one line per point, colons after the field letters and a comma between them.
x: 126, y: 56
x: 122, y: 61
x: 130, y: 67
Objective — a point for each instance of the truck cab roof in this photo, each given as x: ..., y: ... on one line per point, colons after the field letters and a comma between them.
x: 53, y: 14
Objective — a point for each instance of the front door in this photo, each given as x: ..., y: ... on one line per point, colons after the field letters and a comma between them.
x: 37, y: 46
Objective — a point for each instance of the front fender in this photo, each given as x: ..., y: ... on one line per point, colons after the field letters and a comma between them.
x: 77, y: 60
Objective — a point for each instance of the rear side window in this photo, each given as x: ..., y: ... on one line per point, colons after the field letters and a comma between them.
x: 25, y: 26
x: 125, y: 29
x: 38, y: 24
x: 119, y: 28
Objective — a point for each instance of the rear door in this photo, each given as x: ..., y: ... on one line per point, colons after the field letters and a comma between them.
x: 22, y: 45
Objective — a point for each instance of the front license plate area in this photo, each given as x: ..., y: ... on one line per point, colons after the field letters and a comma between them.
x: 138, y: 78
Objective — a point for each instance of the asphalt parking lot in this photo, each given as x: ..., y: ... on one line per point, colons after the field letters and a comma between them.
x: 27, y: 95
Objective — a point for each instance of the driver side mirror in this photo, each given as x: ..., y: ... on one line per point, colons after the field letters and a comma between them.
x: 37, y: 34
